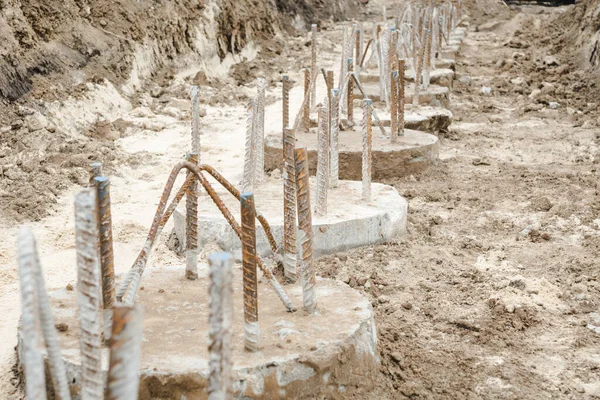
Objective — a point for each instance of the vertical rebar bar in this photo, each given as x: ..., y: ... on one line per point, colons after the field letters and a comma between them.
x: 107, y: 266
x: 322, y: 164
x: 33, y: 360
x: 125, y: 353
x: 58, y: 372
x: 289, y: 207
x: 88, y: 296
x: 196, y: 120
x: 350, y: 95
x: 435, y: 32
x: 259, y: 131
x: 249, y: 272
x: 307, y: 100
x: 427, y: 57
x: 385, y: 44
x: 394, y: 107
x: 313, y: 64
x: 366, y: 152
x: 248, y: 174
x: 333, y: 137
x: 191, y: 224
x: 401, y: 95
x: 309, y: 296
x: 357, y: 55
x: 286, y: 84
x: 343, y: 67
x: 220, y: 318
x: 95, y: 170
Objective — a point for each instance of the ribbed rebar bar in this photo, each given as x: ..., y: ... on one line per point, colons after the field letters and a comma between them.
x: 220, y: 291
x: 95, y: 170
x: 129, y: 286
x: 285, y: 95
x: 366, y: 152
x: 290, y: 261
x: 427, y: 58
x: 259, y: 132
x: 357, y: 54
x: 374, y: 114
x: 401, y: 96
x: 350, y: 95
x: 379, y: 47
x: 394, y: 107
x: 334, y: 169
x: 435, y: 32
x: 191, y: 223
x: 322, y: 164
x: 248, y: 174
x: 107, y: 263
x: 309, y: 296
x: 385, y: 44
x: 58, y: 372
x: 88, y: 294
x: 313, y: 63
x: 307, y: 100
x: 249, y: 273
x: 33, y: 360
x: 196, y: 120
x: 343, y: 67
x: 125, y: 353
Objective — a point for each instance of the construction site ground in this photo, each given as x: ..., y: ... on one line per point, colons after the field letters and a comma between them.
x: 493, y: 293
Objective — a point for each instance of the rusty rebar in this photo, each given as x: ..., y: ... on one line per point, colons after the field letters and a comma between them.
x: 374, y: 114
x: 248, y: 174
x: 286, y: 85
x: 350, y: 95
x: 95, y: 170
x: 259, y: 132
x: 366, y: 152
x: 220, y: 291
x: 33, y: 360
x: 323, y: 163
x: 107, y: 263
x: 129, y: 285
x: 357, y: 55
x: 309, y: 297
x: 313, y: 63
x: 289, y: 206
x: 307, y: 100
x: 125, y: 353
x: 88, y: 283
x: 401, y: 96
x: 343, y: 67
x: 191, y: 224
x: 333, y: 137
x: 394, y: 107
x: 385, y: 45
x: 196, y: 120
x: 249, y: 273
x: 427, y: 57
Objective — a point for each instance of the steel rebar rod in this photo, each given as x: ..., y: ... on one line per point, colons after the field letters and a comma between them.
x: 374, y: 114
x: 290, y: 261
x: 196, y: 120
x: 309, y: 297
x: 401, y: 96
x: 286, y: 84
x: 33, y: 360
x: 305, y: 109
x: 107, y: 263
x: 343, y: 65
x: 313, y: 64
x: 125, y: 353
x: 251, y: 330
x: 394, y: 107
x: 323, y: 164
x: 366, y: 152
x: 191, y: 223
x: 95, y: 170
x: 220, y: 291
x: 259, y: 132
x: 333, y: 137
x: 248, y: 174
x: 350, y: 95
x: 88, y: 294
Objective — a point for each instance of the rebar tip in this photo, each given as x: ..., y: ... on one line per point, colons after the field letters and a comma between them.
x: 96, y: 164
x: 367, y: 102
x: 246, y: 196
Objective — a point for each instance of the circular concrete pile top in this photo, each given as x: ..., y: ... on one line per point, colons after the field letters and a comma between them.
x: 300, y: 354
x: 350, y: 222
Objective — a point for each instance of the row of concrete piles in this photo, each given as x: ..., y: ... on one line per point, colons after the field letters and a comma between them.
x: 108, y: 315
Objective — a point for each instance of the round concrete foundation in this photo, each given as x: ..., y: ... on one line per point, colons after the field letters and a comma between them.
x: 349, y: 223
x: 413, y: 152
x: 434, y: 95
x: 301, y: 356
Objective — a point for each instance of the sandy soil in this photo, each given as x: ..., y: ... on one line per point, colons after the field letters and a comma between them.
x: 494, y: 293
